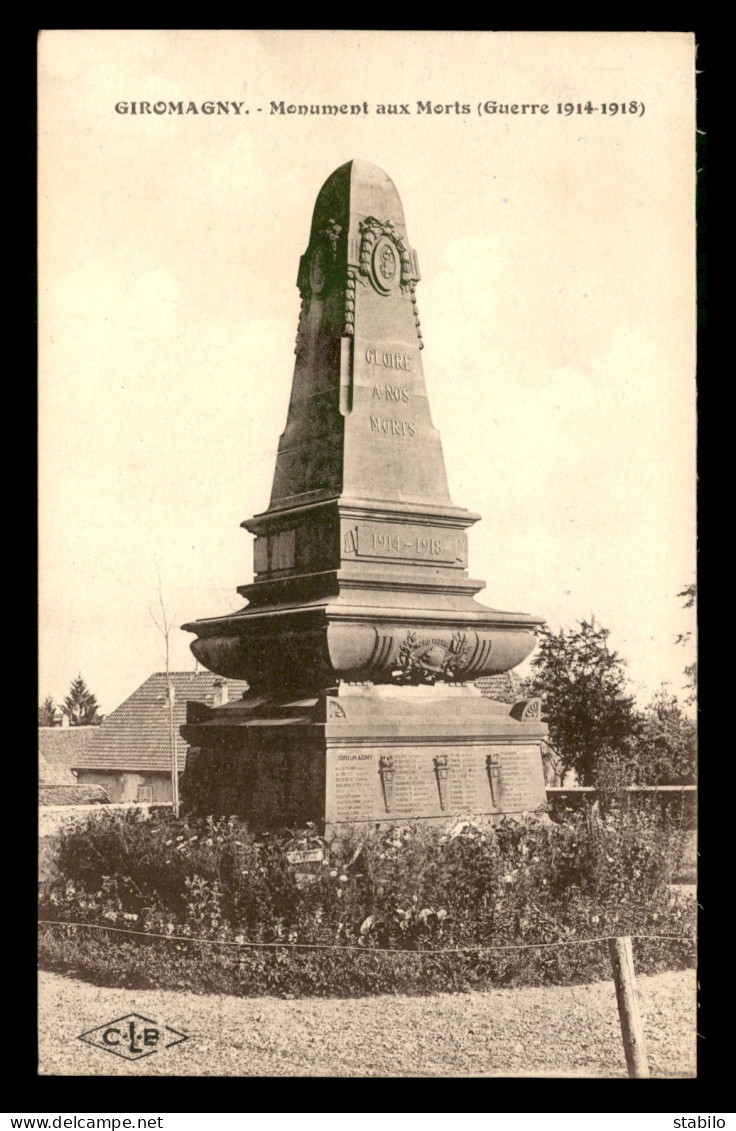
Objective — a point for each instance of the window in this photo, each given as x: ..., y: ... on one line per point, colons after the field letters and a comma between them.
x: 145, y: 793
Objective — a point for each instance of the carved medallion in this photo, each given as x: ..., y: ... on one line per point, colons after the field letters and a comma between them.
x: 384, y: 257
x: 430, y: 658
x: 384, y: 265
x: 388, y: 263
x: 318, y: 271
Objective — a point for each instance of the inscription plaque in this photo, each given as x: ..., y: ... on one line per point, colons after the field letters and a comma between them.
x: 518, y: 771
x: 389, y: 540
x: 357, y: 785
x: 424, y: 783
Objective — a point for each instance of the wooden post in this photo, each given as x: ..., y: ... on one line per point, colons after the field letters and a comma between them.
x: 622, y: 961
x: 172, y: 739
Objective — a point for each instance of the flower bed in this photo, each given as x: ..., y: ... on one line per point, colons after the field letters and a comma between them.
x: 433, y: 897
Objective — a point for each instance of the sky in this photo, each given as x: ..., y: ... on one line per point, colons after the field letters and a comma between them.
x: 557, y: 302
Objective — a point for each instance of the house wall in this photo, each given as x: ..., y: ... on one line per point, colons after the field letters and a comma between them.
x: 122, y: 785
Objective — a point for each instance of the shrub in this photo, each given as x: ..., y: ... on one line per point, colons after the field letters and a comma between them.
x: 421, y: 892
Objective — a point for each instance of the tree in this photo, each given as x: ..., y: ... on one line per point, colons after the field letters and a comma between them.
x: 80, y: 705
x: 164, y: 623
x: 689, y: 595
x: 592, y: 721
x: 47, y: 713
x: 667, y: 746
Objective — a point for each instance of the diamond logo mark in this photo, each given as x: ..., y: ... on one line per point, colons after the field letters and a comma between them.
x: 132, y: 1037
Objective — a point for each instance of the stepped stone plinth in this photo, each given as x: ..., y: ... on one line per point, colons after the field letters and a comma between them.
x: 361, y: 637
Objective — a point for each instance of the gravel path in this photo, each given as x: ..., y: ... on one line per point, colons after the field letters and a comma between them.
x: 557, y: 1031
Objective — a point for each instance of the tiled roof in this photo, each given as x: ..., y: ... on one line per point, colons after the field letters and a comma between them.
x: 49, y: 774
x: 136, y: 735
x: 73, y: 795
x: 504, y: 688
x: 61, y: 745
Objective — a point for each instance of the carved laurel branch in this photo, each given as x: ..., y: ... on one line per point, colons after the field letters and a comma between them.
x: 458, y: 651
x: 405, y: 657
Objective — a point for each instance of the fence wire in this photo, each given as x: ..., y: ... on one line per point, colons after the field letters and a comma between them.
x: 249, y: 944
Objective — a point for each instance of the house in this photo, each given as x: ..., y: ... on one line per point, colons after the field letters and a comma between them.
x: 58, y: 785
x: 61, y: 746
x: 49, y: 775
x: 129, y: 754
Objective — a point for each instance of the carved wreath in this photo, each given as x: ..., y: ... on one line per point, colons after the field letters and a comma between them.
x: 371, y: 230
x: 417, y: 665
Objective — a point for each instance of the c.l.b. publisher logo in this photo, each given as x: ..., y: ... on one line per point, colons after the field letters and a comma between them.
x: 133, y: 1037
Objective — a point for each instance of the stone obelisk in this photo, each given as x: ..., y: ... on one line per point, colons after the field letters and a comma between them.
x: 361, y: 637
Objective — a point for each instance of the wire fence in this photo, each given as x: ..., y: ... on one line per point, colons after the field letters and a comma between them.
x: 619, y: 947
x: 352, y: 947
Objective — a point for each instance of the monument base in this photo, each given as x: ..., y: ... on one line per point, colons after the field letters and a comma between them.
x: 364, y: 754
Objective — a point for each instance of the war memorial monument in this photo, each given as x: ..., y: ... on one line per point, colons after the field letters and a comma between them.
x: 361, y: 639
